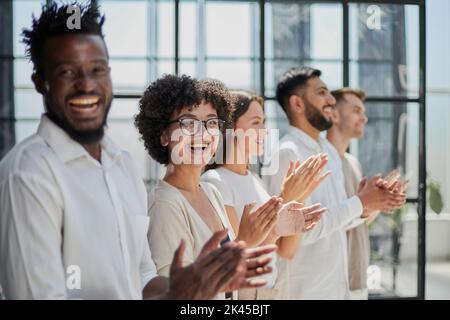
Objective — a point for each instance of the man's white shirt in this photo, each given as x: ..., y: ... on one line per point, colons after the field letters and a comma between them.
x: 65, y: 217
x: 319, y: 269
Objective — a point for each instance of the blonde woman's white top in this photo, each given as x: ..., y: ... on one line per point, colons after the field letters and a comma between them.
x: 238, y: 190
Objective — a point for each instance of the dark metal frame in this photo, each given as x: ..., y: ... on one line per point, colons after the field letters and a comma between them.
x: 7, y: 74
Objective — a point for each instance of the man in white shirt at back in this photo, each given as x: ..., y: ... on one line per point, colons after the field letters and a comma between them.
x: 349, y: 120
x: 319, y: 269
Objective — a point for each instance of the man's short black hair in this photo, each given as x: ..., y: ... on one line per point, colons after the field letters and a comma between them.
x: 292, y: 80
x: 53, y: 22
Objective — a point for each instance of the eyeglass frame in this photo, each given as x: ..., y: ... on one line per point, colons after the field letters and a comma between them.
x: 204, y: 124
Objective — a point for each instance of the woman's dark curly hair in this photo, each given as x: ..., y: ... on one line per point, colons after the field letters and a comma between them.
x: 170, y: 94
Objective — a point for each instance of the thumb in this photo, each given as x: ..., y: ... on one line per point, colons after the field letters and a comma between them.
x: 290, y: 169
x: 177, y: 261
x: 248, y: 208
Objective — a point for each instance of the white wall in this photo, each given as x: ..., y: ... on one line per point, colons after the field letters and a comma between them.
x: 437, y: 234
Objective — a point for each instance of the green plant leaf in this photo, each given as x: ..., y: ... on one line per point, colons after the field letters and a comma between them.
x: 435, y: 198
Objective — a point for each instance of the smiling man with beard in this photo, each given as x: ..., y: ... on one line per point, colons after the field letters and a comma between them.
x: 319, y: 268
x: 73, y: 208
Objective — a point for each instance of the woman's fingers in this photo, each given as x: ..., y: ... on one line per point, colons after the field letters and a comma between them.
x: 294, y: 206
x: 315, y: 217
x: 259, y: 211
x: 318, y: 169
x: 311, y: 175
x: 272, y: 222
x: 248, y: 208
x: 290, y: 169
x: 310, y: 209
x: 323, y: 177
x: 309, y: 226
x: 313, y: 165
x: 269, y: 211
x: 315, y: 213
x: 305, y: 165
x: 270, y: 217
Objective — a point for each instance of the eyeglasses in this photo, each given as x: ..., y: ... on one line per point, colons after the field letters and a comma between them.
x: 190, y: 126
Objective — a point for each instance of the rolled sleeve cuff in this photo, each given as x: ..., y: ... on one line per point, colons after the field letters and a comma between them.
x: 355, y: 207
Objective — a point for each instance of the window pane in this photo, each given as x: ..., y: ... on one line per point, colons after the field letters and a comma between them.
x: 164, y: 67
x: 28, y: 104
x: 22, y: 73
x: 275, y: 117
x: 331, y: 73
x: 165, y: 29
x: 23, y: 11
x: 235, y: 74
x: 24, y: 129
x: 384, y: 49
x: 393, y: 263
x: 274, y: 69
x: 326, y: 31
x: 125, y: 135
x: 391, y: 141
x: 123, y: 108
x: 126, y: 27
x: 230, y: 28
x: 303, y: 30
x: 288, y: 30
x: 438, y: 46
x: 188, y: 29
x: 303, y: 34
x: 129, y: 76
x: 188, y: 68
x: 438, y: 135
x: 277, y: 125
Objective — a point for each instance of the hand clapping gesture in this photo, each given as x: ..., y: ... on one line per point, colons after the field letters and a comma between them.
x: 295, y: 218
x: 302, y: 179
x: 217, y: 269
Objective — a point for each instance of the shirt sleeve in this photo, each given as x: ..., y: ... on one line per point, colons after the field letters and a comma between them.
x: 147, y: 266
x: 168, y: 226
x: 31, y: 218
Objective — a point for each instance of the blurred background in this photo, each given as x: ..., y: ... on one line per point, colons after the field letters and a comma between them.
x: 398, y: 52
